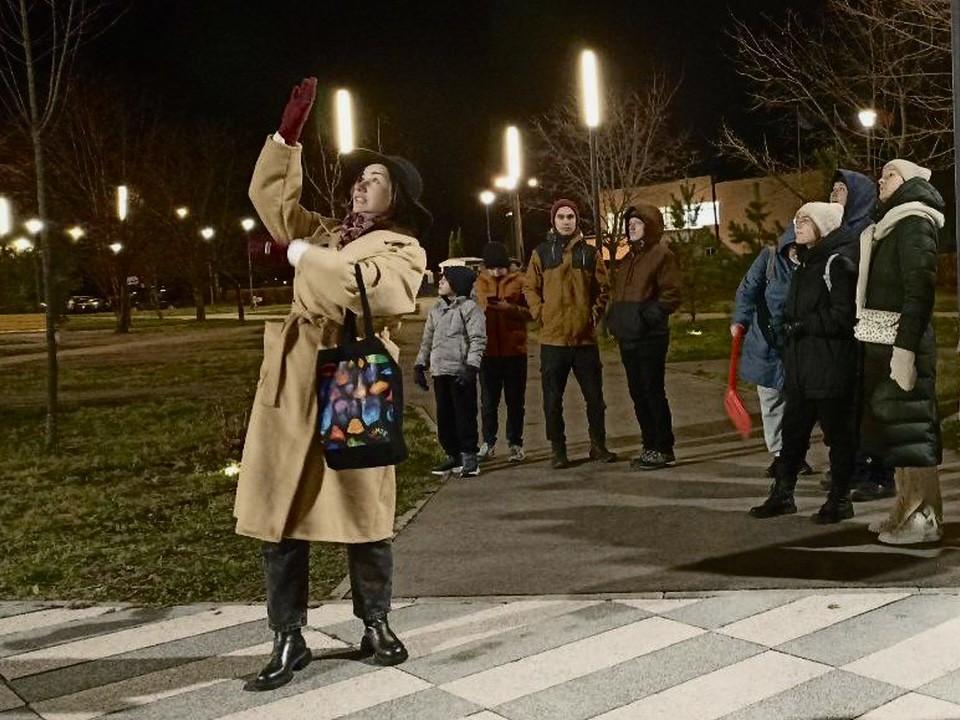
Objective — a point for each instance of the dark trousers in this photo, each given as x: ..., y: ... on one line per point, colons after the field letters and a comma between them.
x: 837, y: 420
x: 505, y: 376
x: 556, y: 362
x: 646, y: 372
x: 456, y: 415
x: 286, y: 568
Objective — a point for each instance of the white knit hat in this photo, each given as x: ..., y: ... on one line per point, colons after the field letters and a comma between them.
x: 826, y: 216
x: 907, y: 169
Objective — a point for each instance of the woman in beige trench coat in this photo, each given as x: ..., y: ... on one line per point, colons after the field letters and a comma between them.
x: 286, y: 495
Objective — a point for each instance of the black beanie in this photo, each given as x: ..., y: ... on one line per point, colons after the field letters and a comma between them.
x: 460, y: 278
x: 495, y: 255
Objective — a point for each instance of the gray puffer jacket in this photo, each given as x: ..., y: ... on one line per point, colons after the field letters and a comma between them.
x: 455, y: 336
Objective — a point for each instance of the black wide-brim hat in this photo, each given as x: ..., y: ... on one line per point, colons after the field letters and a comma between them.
x: 402, y: 171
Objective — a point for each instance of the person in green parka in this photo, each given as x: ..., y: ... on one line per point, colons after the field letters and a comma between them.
x: 895, y: 295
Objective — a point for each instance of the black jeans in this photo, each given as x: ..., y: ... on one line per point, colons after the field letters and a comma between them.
x: 646, y: 371
x: 837, y: 420
x: 286, y: 568
x: 556, y: 362
x: 456, y: 415
x: 506, y: 376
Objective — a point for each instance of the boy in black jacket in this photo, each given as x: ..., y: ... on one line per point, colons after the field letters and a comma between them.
x: 820, y: 361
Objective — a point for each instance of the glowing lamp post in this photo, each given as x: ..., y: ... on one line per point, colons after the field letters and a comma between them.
x: 6, y: 217
x: 487, y: 197
x: 33, y: 226
x: 75, y: 233
x: 249, y: 224
x: 182, y: 212
x: 590, y: 97
x: 512, y: 181
x: 116, y: 247
x: 344, y: 114
x: 123, y: 197
x: 868, y: 119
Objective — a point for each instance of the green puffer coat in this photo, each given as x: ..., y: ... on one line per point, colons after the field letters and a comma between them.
x: 902, y: 427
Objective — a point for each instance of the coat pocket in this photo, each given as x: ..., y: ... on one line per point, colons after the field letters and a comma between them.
x: 625, y: 321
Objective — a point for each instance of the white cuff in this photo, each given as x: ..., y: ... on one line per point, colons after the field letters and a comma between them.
x: 295, y: 251
x: 278, y: 138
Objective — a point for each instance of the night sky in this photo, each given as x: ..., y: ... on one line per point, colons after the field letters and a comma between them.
x: 443, y: 78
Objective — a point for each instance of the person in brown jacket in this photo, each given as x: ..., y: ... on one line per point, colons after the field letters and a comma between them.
x: 645, y: 291
x: 566, y: 289
x: 503, y: 370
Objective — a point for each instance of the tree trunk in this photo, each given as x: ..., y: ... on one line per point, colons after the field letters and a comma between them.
x: 51, y: 439
x: 198, y: 301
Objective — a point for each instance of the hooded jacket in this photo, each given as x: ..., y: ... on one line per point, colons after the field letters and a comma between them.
x: 645, y: 288
x: 821, y: 359
x: 861, y: 202
x: 902, y: 426
x: 506, y: 312
x: 566, y: 289
x: 454, y: 337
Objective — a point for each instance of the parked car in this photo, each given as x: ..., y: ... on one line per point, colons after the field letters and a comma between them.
x: 87, y: 304
x: 141, y: 299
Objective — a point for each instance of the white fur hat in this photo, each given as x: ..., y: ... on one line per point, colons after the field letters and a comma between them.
x: 907, y: 169
x: 826, y: 216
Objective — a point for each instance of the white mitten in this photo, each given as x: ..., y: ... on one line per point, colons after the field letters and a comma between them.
x: 903, y: 368
x: 295, y: 251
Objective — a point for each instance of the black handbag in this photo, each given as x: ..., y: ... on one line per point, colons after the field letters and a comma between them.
x: 360, y: 397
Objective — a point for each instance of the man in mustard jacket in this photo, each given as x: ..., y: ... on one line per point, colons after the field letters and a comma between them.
x: 566, y: 289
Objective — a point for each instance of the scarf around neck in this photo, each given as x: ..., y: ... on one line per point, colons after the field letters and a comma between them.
x: 356, y: 224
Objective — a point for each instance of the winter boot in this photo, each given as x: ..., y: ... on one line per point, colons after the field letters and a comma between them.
x: 780, y: 501
x: 837, y: 507
x: 559, y: 460
x: 290, y: 652
x: 380, y: 640
x: 599, y: 452
x: 470, y: 466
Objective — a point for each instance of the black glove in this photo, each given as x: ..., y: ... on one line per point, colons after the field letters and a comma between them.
x: 794, y: 330
x: 467, y: 375
x: 420, y: 377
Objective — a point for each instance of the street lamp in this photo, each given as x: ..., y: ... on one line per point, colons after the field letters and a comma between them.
x: 123, y: 197
x: 182, y: 212
x: 21, y: 245
x: 512, y: 181
x: 590, y: 96
x: 487, y: 197
x: 249, y: 224
x: 6, y: 217
x: 344, y: 113
x: 33, y: 226
x: 533, y: 182
x: 207, y: 233
x: 868, y: 119
x: 76, y: 232
x: 116, y: 247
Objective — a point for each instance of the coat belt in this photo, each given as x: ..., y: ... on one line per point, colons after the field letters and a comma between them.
x: 275, y: 361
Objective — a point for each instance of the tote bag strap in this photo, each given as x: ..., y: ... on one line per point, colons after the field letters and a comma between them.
x: 365, y: 302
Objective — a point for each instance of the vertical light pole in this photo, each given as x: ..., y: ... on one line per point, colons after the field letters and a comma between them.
x: 487, y: 197
x: 344, y: 114
x: 590, y: 96
x: 955, y: 55
x: 514, y: 172
x: 868, y: 119
x: 207, y: 234
x: 6, y: 217
x: 248, y: 224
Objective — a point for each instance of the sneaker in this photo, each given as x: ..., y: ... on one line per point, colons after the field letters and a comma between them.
x: 920, y: 527
x: 450, y: 465
x: 517, y: 454
x: 869, y: 490
x: 471, y: 466
x: 649, y: 460
x: 487, y: 451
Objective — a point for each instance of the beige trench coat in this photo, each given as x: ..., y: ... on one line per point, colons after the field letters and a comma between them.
x: 285, y: 489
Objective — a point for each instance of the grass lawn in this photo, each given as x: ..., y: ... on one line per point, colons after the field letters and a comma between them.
x: 137, y: 507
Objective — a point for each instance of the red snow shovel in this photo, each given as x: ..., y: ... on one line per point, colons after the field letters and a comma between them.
x: 731, y: 401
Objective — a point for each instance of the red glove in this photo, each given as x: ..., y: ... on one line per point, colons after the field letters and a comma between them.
x: 297, y: 109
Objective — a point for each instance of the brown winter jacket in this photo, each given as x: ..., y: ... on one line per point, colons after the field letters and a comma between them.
x: 506, y: 320
x: 645, y: 285
x: 566, y: 288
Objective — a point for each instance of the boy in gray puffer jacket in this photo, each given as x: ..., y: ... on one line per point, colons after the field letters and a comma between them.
x: 454, y: 339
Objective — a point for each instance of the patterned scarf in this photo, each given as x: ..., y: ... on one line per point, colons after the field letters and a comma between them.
x: 356, y: 224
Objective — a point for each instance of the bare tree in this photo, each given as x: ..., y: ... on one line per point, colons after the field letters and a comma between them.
x: 637, y: 144
x: 812, y: 77
x: 38, y: 43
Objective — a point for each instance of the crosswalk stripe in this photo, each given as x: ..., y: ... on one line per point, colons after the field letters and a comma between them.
x: 723, y: 691
x: 46, y: 618
x: 333, y: 701
x: 805, y: 616
x: 582, y: 657
x: 660, y: 606
x: 915, y: 661
x: 167, y: 683
x: 914, y: 707
x: 95, y: 648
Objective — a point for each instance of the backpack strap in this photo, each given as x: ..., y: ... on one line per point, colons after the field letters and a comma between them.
x: 826, y: 272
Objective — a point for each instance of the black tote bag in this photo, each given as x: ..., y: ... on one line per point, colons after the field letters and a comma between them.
x: 360, y: 397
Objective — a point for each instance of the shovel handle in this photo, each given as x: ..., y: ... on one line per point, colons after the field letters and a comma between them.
x: 735, y: 347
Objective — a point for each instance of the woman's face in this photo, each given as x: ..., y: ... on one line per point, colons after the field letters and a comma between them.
x: 838, y: 193
x: 373, y: 191
x: 889, y: 181
x: 806, y: 230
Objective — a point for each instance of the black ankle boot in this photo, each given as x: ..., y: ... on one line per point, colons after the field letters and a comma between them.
x: 779, y: 502
x: 599, y: 452
x: 379, y: 639
x: 559, y: 460
x: 290, y: 652
x: 837, y: 507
